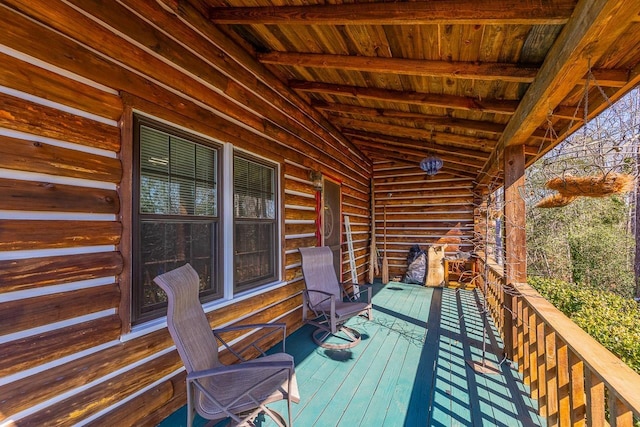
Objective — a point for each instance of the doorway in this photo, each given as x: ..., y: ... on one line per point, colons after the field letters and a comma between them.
x: 331, y: 224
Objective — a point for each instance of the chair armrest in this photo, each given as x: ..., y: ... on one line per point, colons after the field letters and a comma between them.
x: 328, y: 294
x: 275, y: 326
x: 240, y: 367
x: 318, y: 292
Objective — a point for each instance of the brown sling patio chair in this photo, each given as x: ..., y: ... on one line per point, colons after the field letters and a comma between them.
x: 216, y: 391
x: 328, y: 302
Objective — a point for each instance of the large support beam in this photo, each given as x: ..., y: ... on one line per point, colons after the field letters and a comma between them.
x: 515, y: 237
x: 397, y: 13
x: 490, y: 71
x: 456, y: 102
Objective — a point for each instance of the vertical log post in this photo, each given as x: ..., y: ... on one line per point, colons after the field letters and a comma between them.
x: 515, y: 244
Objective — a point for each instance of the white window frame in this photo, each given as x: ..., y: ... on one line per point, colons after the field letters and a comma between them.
x: 225, y: 206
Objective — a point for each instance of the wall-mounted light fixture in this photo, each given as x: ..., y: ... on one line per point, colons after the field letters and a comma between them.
x: 316, y: 179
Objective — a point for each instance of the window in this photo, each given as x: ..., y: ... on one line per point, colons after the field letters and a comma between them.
x: 177, y: 216
x: 254, y: 203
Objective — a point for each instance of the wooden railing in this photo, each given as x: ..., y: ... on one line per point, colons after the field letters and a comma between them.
x: 576, y: 381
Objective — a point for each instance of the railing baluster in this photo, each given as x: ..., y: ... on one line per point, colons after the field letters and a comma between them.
x: 533, y: 354
x: 526, y: 339
x: 619, y: 414
x: 542, y: 369
x: 564, y: 403
x: 578, y: 399
x: 510, y: 340
x: 519, y: 322
x: 552, y: 378
x: 595, y: 400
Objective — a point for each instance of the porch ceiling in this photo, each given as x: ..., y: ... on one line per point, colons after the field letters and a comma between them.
x: 461, y: 78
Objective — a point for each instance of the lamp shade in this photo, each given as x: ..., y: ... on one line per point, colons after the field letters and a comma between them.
x: 431, y: 165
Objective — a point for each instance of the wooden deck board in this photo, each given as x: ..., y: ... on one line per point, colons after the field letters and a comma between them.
x: 410, y: 369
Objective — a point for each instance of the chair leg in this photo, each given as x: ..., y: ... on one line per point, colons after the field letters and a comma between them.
x: 352, y: 339
x: 190, y: 408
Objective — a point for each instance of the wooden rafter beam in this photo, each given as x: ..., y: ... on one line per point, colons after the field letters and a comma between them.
x: 441, y: 138
x: 517, y: 73
x: 610, y: 77
x: 414, y: 160
x: 398, y: 13
x: 418, y: 119
x: 467, y: 157
x: 418, y: 152
x: 496, y: 106
x: 570, y: 113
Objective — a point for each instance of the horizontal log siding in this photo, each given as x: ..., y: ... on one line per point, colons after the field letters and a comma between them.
x: 61, y: 96
x: 421, y: 210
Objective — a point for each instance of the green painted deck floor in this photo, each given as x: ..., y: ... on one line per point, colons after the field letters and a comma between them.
x: 409, y: 370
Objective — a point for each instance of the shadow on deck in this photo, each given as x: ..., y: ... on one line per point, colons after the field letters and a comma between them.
x: 411, y: 368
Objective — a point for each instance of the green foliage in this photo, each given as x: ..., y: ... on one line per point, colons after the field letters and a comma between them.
x: 612, y: 320
x: 586, y: 242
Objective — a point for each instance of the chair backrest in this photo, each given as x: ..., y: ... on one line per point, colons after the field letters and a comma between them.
x: 319, y: 273
x: 187, y: 323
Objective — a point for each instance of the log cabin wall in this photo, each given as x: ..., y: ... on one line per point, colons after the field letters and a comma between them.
x: 421, y: 210
x: 73, y: 74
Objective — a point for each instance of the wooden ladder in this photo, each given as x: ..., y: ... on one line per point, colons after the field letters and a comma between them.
x: 352, y: 261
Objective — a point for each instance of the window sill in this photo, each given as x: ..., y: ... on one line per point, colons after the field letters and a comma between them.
x: 154, y: 325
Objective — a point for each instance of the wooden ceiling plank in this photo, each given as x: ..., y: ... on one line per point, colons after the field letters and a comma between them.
x: 496, y: 106
x: 517, y: 73
x: 398, y: 13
